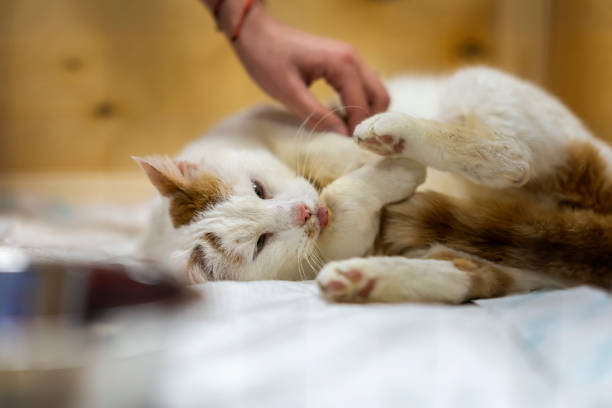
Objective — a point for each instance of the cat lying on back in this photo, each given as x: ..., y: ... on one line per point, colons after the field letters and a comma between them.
x: 518, y: 196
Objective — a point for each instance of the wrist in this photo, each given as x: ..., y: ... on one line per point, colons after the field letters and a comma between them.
x: 230, y: 16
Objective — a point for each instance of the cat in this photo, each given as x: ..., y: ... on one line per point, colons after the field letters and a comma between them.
x: 473, y: 185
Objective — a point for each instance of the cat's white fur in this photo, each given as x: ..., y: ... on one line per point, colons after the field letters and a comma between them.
x: 516, y: 123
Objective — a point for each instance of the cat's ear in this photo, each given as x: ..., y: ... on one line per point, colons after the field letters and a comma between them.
x: 189, y: 188
x: 169, y: 176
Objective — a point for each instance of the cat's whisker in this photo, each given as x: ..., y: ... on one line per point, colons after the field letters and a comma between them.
x: 301, y: 135
x: 300, y: 263
x: 302, y: 258
x: 303, y: 169
x: 301, y: 271
x: 318, y: 256
x: 311, y: 259
x: 312, y: 264
x: 300, y: 138
x: 307, y: 259
x: 304, y: 273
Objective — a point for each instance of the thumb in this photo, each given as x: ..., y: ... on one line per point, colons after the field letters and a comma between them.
x: 303, y: 103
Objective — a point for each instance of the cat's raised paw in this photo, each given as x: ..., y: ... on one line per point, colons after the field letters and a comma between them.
x: 379, y: 134
x: 342, y: 283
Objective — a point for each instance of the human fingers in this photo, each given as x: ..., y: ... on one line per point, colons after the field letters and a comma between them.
x: 378, y: 97
x: 346, y: 79
x: 302, y: 102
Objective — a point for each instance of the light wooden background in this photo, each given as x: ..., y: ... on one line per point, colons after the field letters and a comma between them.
x: 84, y: 84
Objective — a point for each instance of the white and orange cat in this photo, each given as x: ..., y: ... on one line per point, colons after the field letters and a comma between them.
x: 514, y: 194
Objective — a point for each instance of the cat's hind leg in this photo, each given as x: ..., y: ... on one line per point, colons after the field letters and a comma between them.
x: 442, y: 276
x: 393, y: 279
x: 565, y: 246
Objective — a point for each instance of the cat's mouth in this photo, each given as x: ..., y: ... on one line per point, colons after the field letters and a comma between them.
x: 322, y: 217
x: 321, y: 221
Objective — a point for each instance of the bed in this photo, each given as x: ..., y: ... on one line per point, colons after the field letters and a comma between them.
x: 279, y: 344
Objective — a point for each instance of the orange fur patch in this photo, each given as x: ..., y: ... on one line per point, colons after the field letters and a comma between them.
x: 197, y: 266
x: 486, y: 280
x: 217, y: 244
x: 573, y: 246
x: 200, y: 194
x: 569, y: 240
x: 189, y: 189
x: 582, y: 182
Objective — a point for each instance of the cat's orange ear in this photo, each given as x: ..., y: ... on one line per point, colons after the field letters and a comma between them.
x: 189, y: 188
x: 169, y: 176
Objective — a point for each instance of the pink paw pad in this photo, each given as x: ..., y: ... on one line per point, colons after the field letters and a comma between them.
x: 336, y: 285
x: 372, y: 141
x: 365, y: 291
x: 399, y: 146
x: 387, y: 139
x: 354, y: 275
x: 376, y: 146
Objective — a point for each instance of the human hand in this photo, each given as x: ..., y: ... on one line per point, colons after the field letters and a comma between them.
x: 285, y: 61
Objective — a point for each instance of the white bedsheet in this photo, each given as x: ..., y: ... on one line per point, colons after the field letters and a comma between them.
x: 277, y: 344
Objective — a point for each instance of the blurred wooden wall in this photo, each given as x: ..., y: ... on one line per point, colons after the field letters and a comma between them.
x: 84, y: 84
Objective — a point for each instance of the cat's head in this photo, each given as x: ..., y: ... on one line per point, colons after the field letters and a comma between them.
x: 241, y: 216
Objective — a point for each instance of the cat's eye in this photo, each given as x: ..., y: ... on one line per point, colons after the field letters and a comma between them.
x: 258, y: 189
x: 261, y: 242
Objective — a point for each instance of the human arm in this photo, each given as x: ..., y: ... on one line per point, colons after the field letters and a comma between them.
x: 285, y: 61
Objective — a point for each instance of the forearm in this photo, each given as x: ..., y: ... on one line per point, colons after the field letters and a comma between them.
x: 284, y: 62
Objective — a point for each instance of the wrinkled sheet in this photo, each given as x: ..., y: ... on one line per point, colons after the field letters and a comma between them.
x: 278, y: 344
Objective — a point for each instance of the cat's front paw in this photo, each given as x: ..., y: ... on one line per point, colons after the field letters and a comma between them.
x: 346, y: 281
x: 380, y: 135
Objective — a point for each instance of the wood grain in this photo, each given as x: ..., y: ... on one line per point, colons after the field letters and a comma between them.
x: 523, y: 31
x: 85, y: 84
x: 581, y: 61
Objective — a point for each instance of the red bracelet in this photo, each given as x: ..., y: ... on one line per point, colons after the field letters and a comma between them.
x: 245, y: 11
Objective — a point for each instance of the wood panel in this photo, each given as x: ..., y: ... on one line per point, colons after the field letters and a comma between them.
x: 581, y: 60
x: 523, y: 31
x: 91, y: 82
x: 87, y: 83
x: 84, y: 84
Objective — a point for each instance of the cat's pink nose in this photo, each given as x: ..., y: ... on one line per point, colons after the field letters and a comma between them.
x: 303, y: 213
